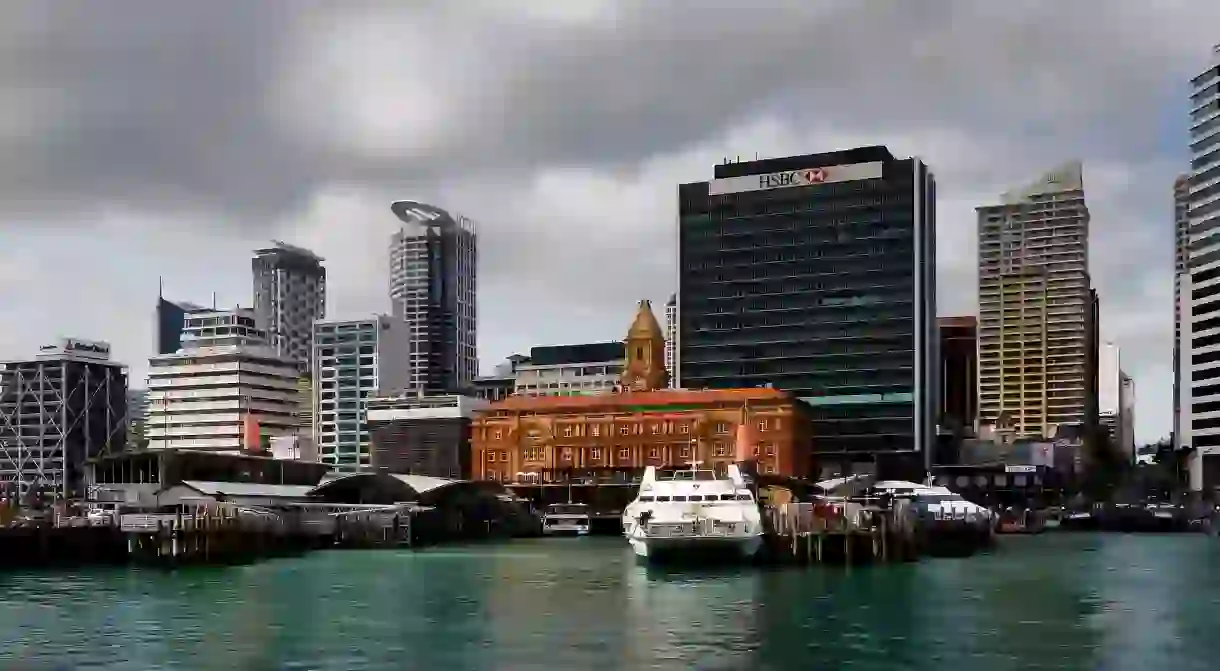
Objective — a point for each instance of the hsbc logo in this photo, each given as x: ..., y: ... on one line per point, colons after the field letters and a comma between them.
x: 803, y: 177
x: 777, y: 180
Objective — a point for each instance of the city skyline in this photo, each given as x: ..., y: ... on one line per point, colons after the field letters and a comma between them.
x: 568, y: 183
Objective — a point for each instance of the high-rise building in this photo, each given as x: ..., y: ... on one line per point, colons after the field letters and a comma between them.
x: 1126, y: 417
x: 353, y: 360
x: 1203, y: 326
x: 58, y: 409
x: 201, y: 396
x: 1181, y: 254
x: 959, y: 372
x: 1109, y: 390
x: 289, y: 295
x: 1035, y: 300
x: 170, y: 318
x: 433, y: 274
x: 816, y: 275
x: 671, y: 339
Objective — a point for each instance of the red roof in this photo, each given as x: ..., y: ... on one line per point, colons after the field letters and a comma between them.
x: 660, y: 397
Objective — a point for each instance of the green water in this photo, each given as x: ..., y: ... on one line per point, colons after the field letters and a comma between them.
x: 1049, y: 602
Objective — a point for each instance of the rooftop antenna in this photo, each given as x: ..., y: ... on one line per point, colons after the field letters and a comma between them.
x: 213, y: 300
x: 160, y: 287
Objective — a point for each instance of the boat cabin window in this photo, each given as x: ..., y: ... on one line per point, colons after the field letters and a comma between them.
x: 688, y: 474
x: 645, y: 499
x: 679, y: 498
x: 936, y: 498
x: 744, y: 497
x: 662, y: 499
x: 567, y: 509
x: 696, y: 497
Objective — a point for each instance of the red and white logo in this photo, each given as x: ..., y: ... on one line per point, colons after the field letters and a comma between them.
x: 814, y: 175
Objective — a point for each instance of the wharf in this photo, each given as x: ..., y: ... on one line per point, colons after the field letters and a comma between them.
x: 838, y: 533
x: 851, y: 533
x: 210, y: 533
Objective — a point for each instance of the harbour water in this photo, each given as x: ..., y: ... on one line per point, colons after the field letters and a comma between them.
x: 1055, y: 601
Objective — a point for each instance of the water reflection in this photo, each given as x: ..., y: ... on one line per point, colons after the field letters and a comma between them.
x: 675, y: 616
x: 1051, y: 602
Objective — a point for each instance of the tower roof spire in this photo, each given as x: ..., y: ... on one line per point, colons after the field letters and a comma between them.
x: 645, y: 324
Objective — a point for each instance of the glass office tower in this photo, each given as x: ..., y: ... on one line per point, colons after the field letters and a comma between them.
x: 817, y: 275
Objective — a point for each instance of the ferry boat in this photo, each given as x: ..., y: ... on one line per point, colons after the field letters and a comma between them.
x: 693, y: 514
x: 940, y: 503
x: 565, y: 519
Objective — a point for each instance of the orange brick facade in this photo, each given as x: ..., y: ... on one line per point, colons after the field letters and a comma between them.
x: 532, y: 439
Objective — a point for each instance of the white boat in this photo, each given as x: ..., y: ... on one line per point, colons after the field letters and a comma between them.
x: 565, y: 519
x: 940, y: 502
x: 693, y: 514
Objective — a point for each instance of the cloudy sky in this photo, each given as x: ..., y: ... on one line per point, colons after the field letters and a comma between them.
x: 143, y: 139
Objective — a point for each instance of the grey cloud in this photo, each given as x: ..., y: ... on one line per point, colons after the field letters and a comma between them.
x: 169, y: 138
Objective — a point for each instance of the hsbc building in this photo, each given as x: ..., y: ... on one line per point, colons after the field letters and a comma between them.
x: 816, y: 275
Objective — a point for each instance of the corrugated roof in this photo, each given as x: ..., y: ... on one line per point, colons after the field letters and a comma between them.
x: 659, y: 397
x: 419, y: 483
x: 249, y: 489
x: 424, y: 483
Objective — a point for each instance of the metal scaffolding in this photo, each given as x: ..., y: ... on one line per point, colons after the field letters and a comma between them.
x: 55, y: 413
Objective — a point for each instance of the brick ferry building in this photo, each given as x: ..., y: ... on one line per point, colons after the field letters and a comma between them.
x: 591, y: 449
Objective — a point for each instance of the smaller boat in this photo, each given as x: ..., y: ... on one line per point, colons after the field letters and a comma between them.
x: 565, y: 519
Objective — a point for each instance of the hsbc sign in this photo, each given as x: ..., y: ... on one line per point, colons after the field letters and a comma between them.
x: 804, y: 177
x: 777, y: 180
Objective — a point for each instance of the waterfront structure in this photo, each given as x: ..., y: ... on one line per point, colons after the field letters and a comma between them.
x: 569, y: 370
x: 289, y: 295
x: 1181, y: 256
x: 433, y: 283
x: 58, y: 409
x: 422, y: 435
x: 1035, y: 298
x: 550, y: 438
x: 671, y: 339
x: 816, y: 275
x: 959, y: 372
x: 136, y: 477
x: 353, y: 360
x: 226, y: 381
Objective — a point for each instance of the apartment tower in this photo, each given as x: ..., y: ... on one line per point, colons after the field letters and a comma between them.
x: 200, y: 397
x: 433, y: 273
x: 1202, y: 431
x: 289, y: 295
x: 1181, y: 254
x: 1035, y: 307
x: 353, y: 359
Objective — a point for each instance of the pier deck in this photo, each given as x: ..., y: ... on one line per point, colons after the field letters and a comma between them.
x: 839, y: 533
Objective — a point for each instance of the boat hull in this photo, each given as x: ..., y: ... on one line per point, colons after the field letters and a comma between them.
x: 696, y: 549
x: 562, y: 529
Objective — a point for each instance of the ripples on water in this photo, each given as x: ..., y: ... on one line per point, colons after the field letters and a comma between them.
x: 1050, y: 602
